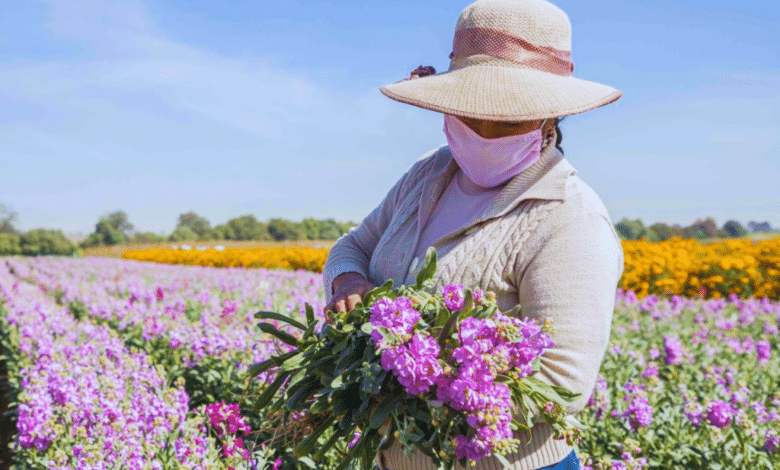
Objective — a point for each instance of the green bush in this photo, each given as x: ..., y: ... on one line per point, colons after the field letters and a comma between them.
x: 46, y: 242
x: 247, y: 227
x: 734, y: 229
x: 10, y: 244
x: 148, y: 237
x: 183, y: 234
x: 283, y: 229
x: 199, y: 225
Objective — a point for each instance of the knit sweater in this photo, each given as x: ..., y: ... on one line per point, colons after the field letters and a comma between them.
x: 454, y: 209
x: 545, y: 245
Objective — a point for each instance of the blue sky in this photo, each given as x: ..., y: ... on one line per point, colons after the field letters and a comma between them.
x: 272, y: 107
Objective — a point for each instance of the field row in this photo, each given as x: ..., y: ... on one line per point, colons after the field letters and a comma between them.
x: 672, y: 267
x: 122, y: 364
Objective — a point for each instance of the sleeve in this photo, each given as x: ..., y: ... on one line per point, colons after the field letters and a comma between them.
x: 352, y: 251
x: 572, y: 279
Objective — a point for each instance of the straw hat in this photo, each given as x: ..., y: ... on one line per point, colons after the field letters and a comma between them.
x: 510, y: 61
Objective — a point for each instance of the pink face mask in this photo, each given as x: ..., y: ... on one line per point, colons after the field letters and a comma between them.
x: 491, y: 162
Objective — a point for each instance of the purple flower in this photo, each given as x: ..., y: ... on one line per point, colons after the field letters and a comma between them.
x: 764, y: 350
x: 650, y: 371
x: 639, y: 412
x: 454, y: 296
x: 477, y: 295
x: 693, y: 411
x: 719, y: 413
x: 772, y: 440
x: 673, y: 349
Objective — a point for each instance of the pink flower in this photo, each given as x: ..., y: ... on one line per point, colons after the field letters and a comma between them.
x: 354, y: 440
x: 454, y: 296
x: 719, y: 413
x: 764, y: 350
x: 674, y: 350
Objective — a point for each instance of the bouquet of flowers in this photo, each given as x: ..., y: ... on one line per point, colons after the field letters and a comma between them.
x: 446, y: 374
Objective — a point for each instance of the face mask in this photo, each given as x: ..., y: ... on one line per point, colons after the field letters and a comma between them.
x: 491, y: 162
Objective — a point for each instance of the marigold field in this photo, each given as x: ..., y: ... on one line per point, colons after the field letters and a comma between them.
x: 672, y: 267
x: 126, y: 364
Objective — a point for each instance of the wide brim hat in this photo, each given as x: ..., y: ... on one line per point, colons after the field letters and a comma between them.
x: 510, y: 61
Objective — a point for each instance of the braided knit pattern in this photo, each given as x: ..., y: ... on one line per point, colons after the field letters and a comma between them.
x: 508, y: 233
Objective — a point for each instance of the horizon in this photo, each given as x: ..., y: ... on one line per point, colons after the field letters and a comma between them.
x: 159, y: 108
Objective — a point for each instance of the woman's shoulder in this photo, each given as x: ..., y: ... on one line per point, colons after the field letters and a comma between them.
x: 432, y: 160
x: 581, y: 198
x: 581, y: 208
x: 428, y: 164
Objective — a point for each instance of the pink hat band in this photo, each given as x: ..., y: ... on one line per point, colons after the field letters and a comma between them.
x: 473, y: 41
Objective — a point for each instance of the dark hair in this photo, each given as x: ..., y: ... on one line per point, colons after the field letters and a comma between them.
x: 559, y: 139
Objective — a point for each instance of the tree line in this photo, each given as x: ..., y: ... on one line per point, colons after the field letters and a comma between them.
x: 700, y: 230
x: 115, y: 228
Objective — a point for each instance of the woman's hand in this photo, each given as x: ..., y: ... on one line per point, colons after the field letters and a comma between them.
x: 348, y: 290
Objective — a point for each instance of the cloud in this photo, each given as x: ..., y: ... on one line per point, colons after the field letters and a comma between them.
x: 122, y: 101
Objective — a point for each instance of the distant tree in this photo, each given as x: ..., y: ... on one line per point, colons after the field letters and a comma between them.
x: 120, y: 221
x: 329, y: 230
x: 148, y: 237
x: 200, y: 225
x: 223, y: 232
x: 665, y: 231
x: 247, y: 227
x: 283, y: 229
x: 344, y: 227
x: 10, y: 244
x: 631, y: 229
x: 46, y: 242
x: 7, y: 218
x: 183, y: 234
x: 310, y: 228
x: 706, y: 228
x: 756, y: 227
x: 734, y: 229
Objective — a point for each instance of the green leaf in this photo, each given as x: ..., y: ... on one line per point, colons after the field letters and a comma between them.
x: 428, y: 269
x: 296, y: 378
x: 283, y: 336
x: 548, y: 391
x: 309, y: 314
x: 447, y: 329
x: 340, y: 433
x: 260, y: 367
x: 300, y: 398
x: 380, y: 414
x: 319, y: 406
x: 269, y: 392
x: 294, y: 361
x: 468, y: 300
x: 337, y: 382
x: 306, y: 445
x: 369, y: 296
x: 281, y: 318
x: 503, y: 461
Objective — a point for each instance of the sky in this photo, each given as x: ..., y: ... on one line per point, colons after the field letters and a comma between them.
x: 273, y: 108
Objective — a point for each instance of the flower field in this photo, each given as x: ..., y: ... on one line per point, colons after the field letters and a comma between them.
x: 673, y: 267
x: 122, y: 364
x: 308, y: 258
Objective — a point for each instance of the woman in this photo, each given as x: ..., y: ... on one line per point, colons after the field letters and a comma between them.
x: 503, y: 208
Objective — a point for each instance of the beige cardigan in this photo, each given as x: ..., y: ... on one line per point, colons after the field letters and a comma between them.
x: 546, y: 247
